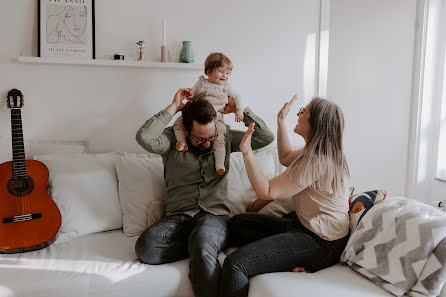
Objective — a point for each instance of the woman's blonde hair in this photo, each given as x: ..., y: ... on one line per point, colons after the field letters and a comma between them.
x: 323, y: 163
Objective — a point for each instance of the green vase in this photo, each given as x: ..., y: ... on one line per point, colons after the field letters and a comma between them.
x: 186, y: 53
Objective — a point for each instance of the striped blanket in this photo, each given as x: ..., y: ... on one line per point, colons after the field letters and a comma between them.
x: 400, y: 245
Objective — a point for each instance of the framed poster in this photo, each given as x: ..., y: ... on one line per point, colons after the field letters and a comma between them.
x: 66, y: 29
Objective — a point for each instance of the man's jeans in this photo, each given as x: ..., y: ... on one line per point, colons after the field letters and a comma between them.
x: 273, y: 244
x: 178, y: 237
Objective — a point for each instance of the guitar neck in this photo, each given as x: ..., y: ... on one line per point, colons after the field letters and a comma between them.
x: 18, y: 147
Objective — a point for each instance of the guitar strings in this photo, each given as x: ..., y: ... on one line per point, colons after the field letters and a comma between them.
x: 20, y: 164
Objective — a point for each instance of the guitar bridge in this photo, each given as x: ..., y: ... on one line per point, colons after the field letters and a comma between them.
x: 22, y: 218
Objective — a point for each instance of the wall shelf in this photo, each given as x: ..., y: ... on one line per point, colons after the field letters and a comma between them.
x: 121, y: 63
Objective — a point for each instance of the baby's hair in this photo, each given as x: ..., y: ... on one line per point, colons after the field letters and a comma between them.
x: 215, y: 60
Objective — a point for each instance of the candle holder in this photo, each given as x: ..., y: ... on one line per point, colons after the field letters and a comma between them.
x: 165, y: 54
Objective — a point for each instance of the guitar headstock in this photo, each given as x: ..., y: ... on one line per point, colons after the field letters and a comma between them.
x: 15, y: 99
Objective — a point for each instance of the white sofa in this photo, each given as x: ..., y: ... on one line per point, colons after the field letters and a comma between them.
x: 94, y: 257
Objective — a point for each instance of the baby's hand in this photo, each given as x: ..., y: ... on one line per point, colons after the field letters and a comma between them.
x: 239, y: 115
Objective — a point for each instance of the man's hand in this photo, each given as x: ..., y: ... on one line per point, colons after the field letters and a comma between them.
x: 177, y: 102
x: 230, y: 107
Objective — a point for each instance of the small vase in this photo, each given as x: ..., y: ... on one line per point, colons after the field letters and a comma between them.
x: 186, y: 53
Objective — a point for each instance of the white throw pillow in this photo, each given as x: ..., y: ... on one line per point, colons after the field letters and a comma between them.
x: 240, y: 191
x: 142, y: 187
x: 85, y: 188
x: 142, y: 191
x: 38, y: 147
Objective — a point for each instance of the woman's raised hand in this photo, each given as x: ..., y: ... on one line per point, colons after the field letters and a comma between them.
x: 285, y: 109
x: 245, y: 144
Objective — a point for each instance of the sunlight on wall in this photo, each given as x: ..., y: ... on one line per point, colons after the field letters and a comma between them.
x: 441, y: 161
x: 6, y: 292
x: 309, y: 69
x: 323, y: 63
x: 429, y: 82
x: 425, y: 120
x: 441, y: 165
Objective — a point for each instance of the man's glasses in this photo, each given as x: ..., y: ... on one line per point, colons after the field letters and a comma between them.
x: 201, y: 140
x: 302, y: 111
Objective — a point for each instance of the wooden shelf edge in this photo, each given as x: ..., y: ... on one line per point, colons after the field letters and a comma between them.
x: 63, y: 61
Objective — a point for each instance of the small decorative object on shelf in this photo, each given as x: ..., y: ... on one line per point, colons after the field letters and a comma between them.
x: 141, y: 44
x: 165, y: 55
x: 118, y: 57
x: 66, y: 29
x: 186, y: 53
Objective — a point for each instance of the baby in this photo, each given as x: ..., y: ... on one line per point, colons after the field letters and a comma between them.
x: 215, y: 89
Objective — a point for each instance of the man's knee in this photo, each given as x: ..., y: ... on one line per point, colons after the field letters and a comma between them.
x: 205, y: 243
x: 146, y: 248
x: 232, y: 265
x: 209, y: 238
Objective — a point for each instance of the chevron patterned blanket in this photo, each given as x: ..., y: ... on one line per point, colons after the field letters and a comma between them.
x: 400, y: 245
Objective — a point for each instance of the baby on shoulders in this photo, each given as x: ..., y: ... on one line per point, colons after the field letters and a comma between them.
x: 216, y: 89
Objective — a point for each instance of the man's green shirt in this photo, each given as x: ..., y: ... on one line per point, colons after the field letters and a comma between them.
x: 192, y: 183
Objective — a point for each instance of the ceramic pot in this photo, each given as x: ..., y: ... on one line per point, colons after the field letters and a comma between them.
x: 186, y: 53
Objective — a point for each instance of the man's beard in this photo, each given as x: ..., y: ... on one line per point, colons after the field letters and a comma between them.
x: 200, y: 149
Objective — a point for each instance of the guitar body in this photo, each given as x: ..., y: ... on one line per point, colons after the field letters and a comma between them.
x: 29, y: 218
x: 38, y: 228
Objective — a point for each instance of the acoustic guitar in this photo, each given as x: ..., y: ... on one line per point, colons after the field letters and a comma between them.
x: 29, y: 218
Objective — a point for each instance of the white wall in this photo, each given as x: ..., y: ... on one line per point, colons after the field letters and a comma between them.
x: 369, y: 76
x: 267, y: 43
x: 272, y: 48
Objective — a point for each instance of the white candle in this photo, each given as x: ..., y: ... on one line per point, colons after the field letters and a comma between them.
x: 164, y: 32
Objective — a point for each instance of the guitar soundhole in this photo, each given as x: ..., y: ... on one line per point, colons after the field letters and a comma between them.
x: 20, y: 186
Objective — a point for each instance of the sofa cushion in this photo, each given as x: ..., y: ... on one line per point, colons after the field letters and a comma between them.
x: 240, y: 191
x: 100, y: 265
x: 85, y: 188
x: 335, y: 281
x: 142, y: 187
x: 361, y: 203
x: 104, y: 264
x: 141, y: 191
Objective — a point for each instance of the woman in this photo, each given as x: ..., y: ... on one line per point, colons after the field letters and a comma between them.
x: 316, y: 177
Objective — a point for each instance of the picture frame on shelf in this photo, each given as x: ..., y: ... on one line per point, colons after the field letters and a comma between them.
x: 66, y: 29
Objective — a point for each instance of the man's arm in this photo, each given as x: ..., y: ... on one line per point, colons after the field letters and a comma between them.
x: 261, y: 137
x: 151, y: 135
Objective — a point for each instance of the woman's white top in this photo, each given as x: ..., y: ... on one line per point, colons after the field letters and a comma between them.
x: 323, y: 213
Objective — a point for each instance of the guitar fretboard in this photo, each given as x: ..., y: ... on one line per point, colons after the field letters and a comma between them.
x: 18, y: 147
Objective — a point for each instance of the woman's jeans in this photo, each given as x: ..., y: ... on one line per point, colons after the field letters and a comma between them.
x: 273, y: 244
x: 178, y: 237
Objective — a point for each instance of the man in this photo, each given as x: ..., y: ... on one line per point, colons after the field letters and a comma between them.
x: 196, y: 208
